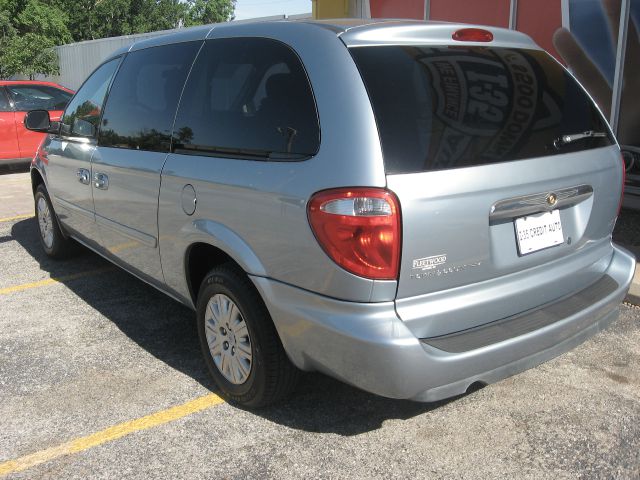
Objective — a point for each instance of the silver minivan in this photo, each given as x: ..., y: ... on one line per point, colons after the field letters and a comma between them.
x: 412, y: 208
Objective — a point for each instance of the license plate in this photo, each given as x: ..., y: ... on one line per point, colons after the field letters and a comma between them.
x: 536, y: 232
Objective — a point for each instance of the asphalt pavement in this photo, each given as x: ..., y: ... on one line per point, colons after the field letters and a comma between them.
x: 101, y: 377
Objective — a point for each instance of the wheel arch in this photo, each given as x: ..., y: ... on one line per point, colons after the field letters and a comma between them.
x: 200, y: 258
x: 214, y: 245
x: 36, y: 179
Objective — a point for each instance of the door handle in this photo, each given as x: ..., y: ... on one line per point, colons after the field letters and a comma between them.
x: 84, y: 176
x: 101, y: 181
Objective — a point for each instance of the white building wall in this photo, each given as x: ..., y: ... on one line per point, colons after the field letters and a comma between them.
x: 78, y: 60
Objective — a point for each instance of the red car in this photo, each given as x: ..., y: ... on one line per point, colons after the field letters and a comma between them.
x: 17, y: 144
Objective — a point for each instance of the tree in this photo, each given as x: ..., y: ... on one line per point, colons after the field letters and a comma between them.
x: 29, y: 54
x: 91, y: 19
x: 42, y: 19
x: 210, y: 11
x: 29, y: 32
x: 29, y: 29
x: 7, y: 31
x: 159, y: 15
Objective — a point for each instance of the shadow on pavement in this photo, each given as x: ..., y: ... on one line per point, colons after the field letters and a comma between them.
x: 167, y: 330
x: 321, y: 404
x: 14, y: 168
x: 627, y: 230
x: 158, y: 324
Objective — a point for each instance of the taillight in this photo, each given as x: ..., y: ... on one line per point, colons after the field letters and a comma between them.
x: 359, y: 228
x: 472, y: 35
x: 624, y: 180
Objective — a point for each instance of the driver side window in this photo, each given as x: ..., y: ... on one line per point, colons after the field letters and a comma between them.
x: 82, y: 116
x: 4, y: 102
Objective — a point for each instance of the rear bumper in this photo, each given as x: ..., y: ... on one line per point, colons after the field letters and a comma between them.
x: 368, y: 346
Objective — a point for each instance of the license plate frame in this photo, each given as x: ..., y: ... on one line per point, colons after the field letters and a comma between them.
x: 538, y: 232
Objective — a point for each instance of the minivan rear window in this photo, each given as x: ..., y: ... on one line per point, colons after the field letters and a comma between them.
x: 448, y: 107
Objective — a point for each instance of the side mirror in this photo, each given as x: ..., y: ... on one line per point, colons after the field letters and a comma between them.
x: 37, y: 121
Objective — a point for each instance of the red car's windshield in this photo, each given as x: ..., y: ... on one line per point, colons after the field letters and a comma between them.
x: 35, y: 97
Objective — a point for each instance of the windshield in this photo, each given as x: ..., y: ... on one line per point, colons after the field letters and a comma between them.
x: 448, y: 107
x: 34, y: 97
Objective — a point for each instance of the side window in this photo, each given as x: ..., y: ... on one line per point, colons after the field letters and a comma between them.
x: 261, y: 91
x: 247, y: 98
x: 82, y: 115
x: 4, y: 102
x: 228, y: 82
x: 38, y: 97
x: 143, y: 99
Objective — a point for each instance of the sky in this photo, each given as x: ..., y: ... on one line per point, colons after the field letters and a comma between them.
x: 264, y: 8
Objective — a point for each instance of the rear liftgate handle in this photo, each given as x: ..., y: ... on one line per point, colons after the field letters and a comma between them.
x: 101, y: 181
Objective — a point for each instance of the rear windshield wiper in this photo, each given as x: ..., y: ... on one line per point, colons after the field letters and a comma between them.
x: 574, y: 137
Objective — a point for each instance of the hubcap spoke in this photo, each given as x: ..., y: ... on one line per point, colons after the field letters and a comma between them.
x: 215, y: 348
x: 45, y: 222
x: 225, y: 364
x: 241, y: 331
x: 211, y: 327
x: 228, y: 339
x: 243, y: 366
x: 244, y: 350
x: 234, y: 371
x: 234, y: 316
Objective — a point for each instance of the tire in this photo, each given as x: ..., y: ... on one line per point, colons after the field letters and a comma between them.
x: 239, y: 342
x: 53, y: 242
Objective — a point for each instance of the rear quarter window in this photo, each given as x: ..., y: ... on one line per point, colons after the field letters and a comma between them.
x: 448, y: 107
x: 247, y: 98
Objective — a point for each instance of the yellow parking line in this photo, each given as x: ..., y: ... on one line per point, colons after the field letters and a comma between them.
x: 110, y: 434
x: 17, y: 217
x: 16, y: 181
x: 123, y: 246
x: 51, y: 281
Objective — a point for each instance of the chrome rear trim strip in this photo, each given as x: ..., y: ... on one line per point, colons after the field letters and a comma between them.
x: 539, y: 202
